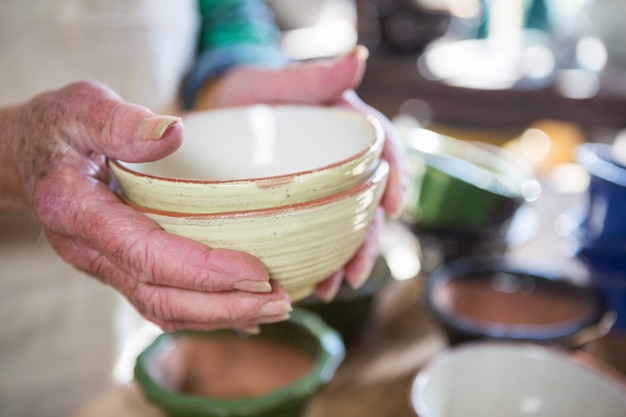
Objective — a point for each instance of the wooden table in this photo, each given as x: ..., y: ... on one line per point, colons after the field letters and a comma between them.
x: 376, y: 375
x: 373, y: 380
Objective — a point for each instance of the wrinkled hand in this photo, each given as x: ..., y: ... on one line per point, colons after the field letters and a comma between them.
x: 325, y: 82
x: 53, y: 152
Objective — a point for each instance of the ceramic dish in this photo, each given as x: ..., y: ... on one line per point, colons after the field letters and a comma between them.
x: 497, y: 299
x: 460, y: 187
x: 300, y: 244
x: 349, y: 312
x: 516, y: 380
x: 224, y: 374
x: 255, y: 157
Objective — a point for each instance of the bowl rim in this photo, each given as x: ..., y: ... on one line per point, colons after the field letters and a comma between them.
x: 491, y: 172
x: 601, y: 314
x: 596, y: 158
x: 376, y: 143
x: 330, y: 355
x: 378, y: 177
x: 579, y: 359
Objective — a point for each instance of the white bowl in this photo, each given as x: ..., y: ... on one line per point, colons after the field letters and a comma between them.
x: 300, y: 244
x: 514, y: 380
x: 255, y: 157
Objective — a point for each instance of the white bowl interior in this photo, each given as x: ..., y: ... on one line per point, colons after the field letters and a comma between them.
x: 263, y: 141
x: 513, y: 381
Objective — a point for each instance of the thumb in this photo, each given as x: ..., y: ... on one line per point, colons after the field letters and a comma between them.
x: 97, y: 120
x: 314, y: 82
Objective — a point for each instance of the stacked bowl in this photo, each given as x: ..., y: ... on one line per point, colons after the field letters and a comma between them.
x: 295, y: 186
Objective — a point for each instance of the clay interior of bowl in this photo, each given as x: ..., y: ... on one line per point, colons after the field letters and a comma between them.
x: 459, y: 185
x: 495, y: 300
x: 222, y: 372
x: 263, y: 141
x: 514, y: 380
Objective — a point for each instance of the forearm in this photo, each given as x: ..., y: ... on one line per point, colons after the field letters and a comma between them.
x: 13, y: 161
x: 233, y: 33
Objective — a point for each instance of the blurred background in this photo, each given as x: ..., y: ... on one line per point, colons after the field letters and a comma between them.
x: 478, y: 68
x: 536, y: 78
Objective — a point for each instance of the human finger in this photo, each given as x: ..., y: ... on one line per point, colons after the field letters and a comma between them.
x: 393, y: 152
x: 359, y: 268
x: 313, y: 82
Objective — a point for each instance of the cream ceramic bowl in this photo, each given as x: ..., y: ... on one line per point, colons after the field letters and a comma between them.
x: 256, y: 157
x: 516, y: 380
x: 300, y: 244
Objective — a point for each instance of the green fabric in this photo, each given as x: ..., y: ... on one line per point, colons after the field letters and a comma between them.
x: 233, y: 33
x: 232, y: 22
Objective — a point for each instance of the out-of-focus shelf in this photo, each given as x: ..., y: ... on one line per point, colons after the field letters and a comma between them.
x: 392, y: 79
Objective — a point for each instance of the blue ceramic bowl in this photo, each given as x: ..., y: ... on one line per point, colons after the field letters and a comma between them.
x: 604, y: 215
x: 601, y: 233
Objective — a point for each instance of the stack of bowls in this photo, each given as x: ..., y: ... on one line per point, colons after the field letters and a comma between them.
x: 295, y: 186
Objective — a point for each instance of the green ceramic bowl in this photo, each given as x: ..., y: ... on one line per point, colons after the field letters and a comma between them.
x: 460, y: 186
x: 304, y: 331
x: 349, y: 312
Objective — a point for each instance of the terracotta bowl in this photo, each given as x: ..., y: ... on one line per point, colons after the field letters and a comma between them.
x: 224, y: 374
x: 256, y: 157
x: 499, y: 299
x: 516, y: 380
x: 300, y: 244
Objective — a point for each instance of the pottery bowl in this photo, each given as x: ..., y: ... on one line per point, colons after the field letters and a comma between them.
x: 500, y: 299
x: 462, y: 187
x: 350, y: 310
x: 300, y: 244
x: 256, y: 157
x: 603, y: 222
x: 221, y: 373
x: 516, y: 380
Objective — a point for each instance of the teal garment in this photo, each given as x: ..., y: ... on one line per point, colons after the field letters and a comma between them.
x: 233, y: 32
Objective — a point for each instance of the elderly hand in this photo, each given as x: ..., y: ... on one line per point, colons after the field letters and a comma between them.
x: 326, y: 82
x: 52, y: 153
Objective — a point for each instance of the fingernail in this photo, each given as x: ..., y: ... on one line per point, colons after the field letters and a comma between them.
x: 154, y: 127
x: 253, y: 286
x: 361, y: 52
x: 274, y: 308
x: 360, y: 280
x: 332, y: 291
x: 250, y: 330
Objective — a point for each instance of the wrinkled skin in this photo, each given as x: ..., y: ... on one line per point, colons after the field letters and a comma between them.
x: 53, y: 150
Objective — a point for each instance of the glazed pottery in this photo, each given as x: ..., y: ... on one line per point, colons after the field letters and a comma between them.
x: 601, y: 233
x: 516, y: 380
x: 459, y: 187
x: 350, y: 310
x: 256, y: 157
x: 498, y: 299
x: 173, y: 363
x: 300, y: 244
